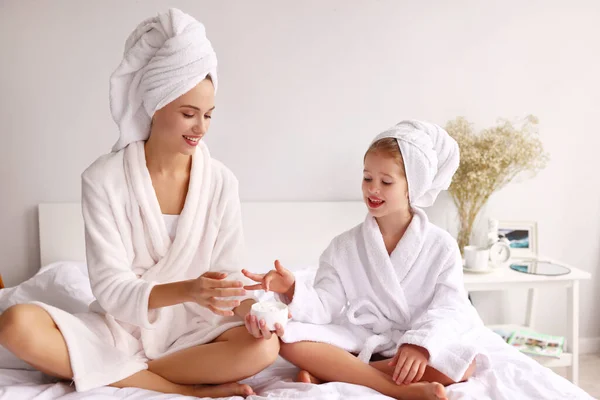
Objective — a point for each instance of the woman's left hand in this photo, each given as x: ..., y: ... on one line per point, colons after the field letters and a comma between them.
x: 258, y: 328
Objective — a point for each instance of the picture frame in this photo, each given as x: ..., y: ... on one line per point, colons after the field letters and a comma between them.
x: 522, y: 236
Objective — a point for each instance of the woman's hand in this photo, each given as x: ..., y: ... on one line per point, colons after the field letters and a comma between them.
x: 210, y: 287
x: 258, y: 328
x: 410, y: 361
x: 279, y: 280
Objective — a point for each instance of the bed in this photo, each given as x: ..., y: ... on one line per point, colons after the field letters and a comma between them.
x: 292, y: 232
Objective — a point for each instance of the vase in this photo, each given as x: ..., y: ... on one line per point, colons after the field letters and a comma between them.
x: 464, y: 232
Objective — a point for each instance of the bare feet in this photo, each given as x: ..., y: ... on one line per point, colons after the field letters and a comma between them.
x: 305, y: 377
x: 225, y: 390
x: 422, y: 391
x: 414, y: 391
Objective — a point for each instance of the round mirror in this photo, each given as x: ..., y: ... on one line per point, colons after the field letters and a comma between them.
x: 539, y: 267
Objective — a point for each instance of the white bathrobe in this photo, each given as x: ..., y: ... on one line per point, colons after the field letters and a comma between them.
x: 129, y: 251
x: 366, y: 301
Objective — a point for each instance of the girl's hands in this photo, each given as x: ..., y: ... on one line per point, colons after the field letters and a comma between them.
x: 410, y: 361
x: 278, y: 280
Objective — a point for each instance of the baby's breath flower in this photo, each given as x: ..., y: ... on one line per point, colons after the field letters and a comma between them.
x: 489, y: 160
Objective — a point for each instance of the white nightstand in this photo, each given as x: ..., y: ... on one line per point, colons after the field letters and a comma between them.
x: 505, y: 278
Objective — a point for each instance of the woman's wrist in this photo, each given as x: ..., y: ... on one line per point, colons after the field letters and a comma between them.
x: 170, y: 294
x: 187, y: 290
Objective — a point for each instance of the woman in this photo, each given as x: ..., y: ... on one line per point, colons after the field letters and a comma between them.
x: 163, y: 239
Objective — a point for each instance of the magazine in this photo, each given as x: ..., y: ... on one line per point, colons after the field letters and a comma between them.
x: 504, y: 334
x: 537, y: 344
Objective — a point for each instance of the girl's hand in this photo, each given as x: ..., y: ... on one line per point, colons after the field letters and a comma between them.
x: 279, y: 280
x: 259, y: 329
x: 208, y: 289
x: 410, y: 361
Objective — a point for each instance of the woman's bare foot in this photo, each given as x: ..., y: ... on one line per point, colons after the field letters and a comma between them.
x: 225, y: 390
x: 422, y: 391
x: 305, y: 377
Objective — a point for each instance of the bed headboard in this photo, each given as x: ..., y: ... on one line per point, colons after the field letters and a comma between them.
x: 294, y: 232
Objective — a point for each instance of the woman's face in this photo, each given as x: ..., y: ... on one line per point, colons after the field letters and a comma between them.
x: 179, y: 126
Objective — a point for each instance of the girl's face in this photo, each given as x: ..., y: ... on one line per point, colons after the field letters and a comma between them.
x: 180, y: 125
x: 384, y: 186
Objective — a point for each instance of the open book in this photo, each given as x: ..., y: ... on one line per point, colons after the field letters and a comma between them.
x: 537, y: 344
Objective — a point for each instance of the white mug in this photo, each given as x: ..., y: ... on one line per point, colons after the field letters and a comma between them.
x: 476, y: 258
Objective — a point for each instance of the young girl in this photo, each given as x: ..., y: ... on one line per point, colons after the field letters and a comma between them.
x: 392, y: 286
x: 163, y: 238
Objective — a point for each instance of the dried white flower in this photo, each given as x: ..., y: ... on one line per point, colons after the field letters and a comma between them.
x: 489, y: 161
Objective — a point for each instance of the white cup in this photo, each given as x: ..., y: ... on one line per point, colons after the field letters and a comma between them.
x: 476, y: 258
x: 272, y: 312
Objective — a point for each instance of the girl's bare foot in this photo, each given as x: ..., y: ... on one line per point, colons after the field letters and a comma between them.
x: 422, y: 391
x: 225, y: 390
x: 305, y: 377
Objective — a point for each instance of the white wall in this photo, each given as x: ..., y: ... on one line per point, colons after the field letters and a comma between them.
x: 304, y: 86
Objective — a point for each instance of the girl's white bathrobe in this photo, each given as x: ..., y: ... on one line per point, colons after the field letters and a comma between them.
x: 129, y: 251
x: 366, y: 301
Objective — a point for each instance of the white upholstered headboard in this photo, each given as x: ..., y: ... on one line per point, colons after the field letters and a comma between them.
x: 294, y: 232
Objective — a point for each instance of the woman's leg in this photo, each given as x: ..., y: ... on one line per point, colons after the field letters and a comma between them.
x: 233, y: 356
x: 29, y: 332
x: 329, y: 363
x: 151, y: 381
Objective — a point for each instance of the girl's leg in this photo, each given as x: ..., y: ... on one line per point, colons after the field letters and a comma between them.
x: 329, y: 363
x: 233, y: 356
x: 29, y: 332
x: 430, y: 375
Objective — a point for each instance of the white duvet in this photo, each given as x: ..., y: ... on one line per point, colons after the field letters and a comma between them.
x: 512, y: 375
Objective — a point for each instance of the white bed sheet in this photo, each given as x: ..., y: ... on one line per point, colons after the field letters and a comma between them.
x: 273, y: 384
x: 511, y: 376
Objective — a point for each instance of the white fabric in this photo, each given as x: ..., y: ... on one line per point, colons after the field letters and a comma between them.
x: 510, y: 376
x: 431, y: 158
x: 366, y: 302
x: 165, y: 57
x: 513, y: 376
x: 171, y: 224
x: 62, y: 284
x: 129, y: 251
x: 274, y: 384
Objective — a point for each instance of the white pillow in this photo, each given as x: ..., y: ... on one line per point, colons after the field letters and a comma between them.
x: 63, y: 285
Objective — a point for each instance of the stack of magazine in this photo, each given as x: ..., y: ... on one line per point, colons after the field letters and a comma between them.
x: 533, y: 343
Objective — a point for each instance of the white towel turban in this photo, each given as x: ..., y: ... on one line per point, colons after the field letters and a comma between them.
x: 431, y: 157
x: 165, y: 57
